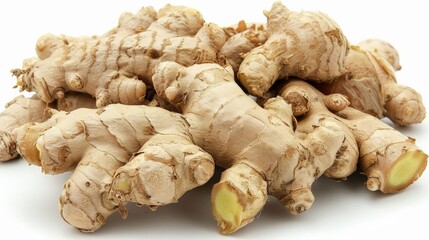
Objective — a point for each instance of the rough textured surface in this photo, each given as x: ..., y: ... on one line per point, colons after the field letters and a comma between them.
x: 382, y: 149
x: 308, y: 45
x: 383, y: 49
x: 152, y: 156
x: 319, y: 111
x: 242, y: 39
x: 115, y: 66
x: 22, y: 110
x: 238, y: 133
x: 371, y: 86
x: 18, y: 112
x: 390, y: 160
x: 164, y: 162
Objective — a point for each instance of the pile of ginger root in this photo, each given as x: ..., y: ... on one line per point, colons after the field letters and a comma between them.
x: 148, y: 110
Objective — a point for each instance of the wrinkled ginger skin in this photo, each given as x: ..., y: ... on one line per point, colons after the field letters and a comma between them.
x: 383, y: 152
x: 238, y: 134
x: 390, y: 160
x: 22, y: 110
x: 18, y: 112
x: 361, y: 84
x: 384, y: 49
x: 115, y: 67
x: 403, y: 104
x: 318, y: 109
x: 243, y: 38
x: 371, y: 85
x: 119, y: 153
x: 307, y: 45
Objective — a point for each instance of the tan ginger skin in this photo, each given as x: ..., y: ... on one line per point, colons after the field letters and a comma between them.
x: 152, y: 156
x: 390, y: 160
x: 243, y: 37
x: 22, y: 110
x: 371, y: 85
x: 238, y: 134
x: 308, y: 45
x: 115, y: 66
x: 18, y: 112
x: 310, y: 111
x: 126, y: 153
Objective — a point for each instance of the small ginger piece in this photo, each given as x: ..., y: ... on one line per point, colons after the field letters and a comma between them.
x: 119, y: 153
x: 239, y: 134
x: 308, y: 45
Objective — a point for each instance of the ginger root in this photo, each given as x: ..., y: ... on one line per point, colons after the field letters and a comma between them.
x: 371, y: 84
x: 242, y: 39
x: 119, y: 153
x: 22, y: 110
x: 390, y: 160
x: 18, y: 112
x: 171, y: 59
x: 310, y: 109
x: 308, y: 45
x: 238, y: 133
x: 115, y: 66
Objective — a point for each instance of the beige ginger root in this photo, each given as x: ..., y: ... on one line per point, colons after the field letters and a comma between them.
x: 115, y: 66
x: 129, y: 153
x: 22, y: 110
x: 238, y: 133
x: 308, y: 45
x: 384, y: 50
x: 242, y: 39
x: 310, y: 110
x: 371, y: 84
x: 18, y: 112
x: 390, y: 160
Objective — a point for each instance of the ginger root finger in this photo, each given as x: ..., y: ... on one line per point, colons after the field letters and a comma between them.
x: 312, y: 109
x: 21, y: 111
x: 96, y: 143
x: 18, y: 112
x: 321, y: 144
x: 115, y: 67
x: 383, y: 49
x: 238, y: 197
x: 166, y: 167
x: 390, y: 160
x: 128, y: 24
x: 84, y: 202
x: 234, y: 129
x: 308, y: 45
x: 243, y: 38
x: 371, y: 86
x: 403, y: 104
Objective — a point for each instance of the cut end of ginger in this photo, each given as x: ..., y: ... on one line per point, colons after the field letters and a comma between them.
x: 407, y: 169
x: 28, y: 149
x: 76, y: 217
x: 227, y: 208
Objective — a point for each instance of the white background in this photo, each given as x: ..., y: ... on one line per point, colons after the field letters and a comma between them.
x: 346, y: 210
